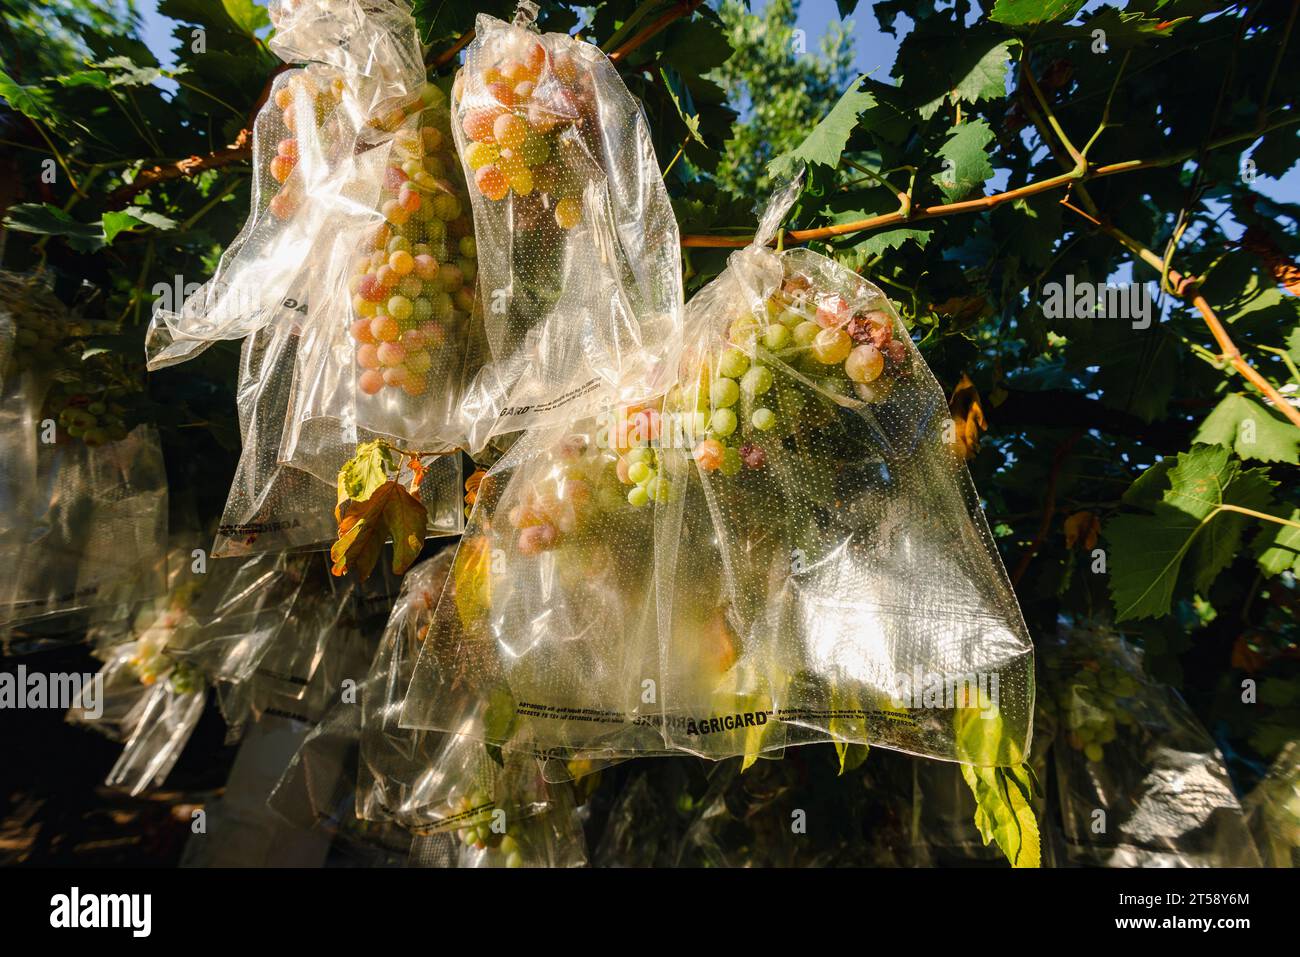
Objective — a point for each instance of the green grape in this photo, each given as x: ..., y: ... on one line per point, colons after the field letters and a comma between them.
x: 763, y: 419
x: 723, y: 421
x: 733, y: 363
x: 776, y: 338
x: 640, y: 472
x: 757, y: 381
x: 638, y: 496
x: 724, y: 392
x: 805, y: 333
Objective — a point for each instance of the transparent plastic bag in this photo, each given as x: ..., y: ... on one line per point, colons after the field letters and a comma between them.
x: 273, y: 506
x: 809, y: 512
x: 401, y: 275
x: 266, y: 275
x: 300, y: 672
x: 167, y: 717
x: 531, y: 824
x: 1273, y: 810
x: 580, y: 270
x: 425, y: 780
x: 548, y: 617
x: 303, y: 143
x: 91, y: 528
x: 326, y: 146
x: 244, y: 606
x: 1140, y: 782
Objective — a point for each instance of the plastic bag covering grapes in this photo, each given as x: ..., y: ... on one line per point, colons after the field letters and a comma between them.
x: 579, y: 265
x: 548, y: 616
x: 1140, y: 782
x: 85, y: 526
x: 303, y: 140
x: 1273, y: 810
x: 273, y: 506
x: 150, y: 698
x: 824, y: 569
x: 167, y: 718
x: 401, y: 268
x: 426, y: 780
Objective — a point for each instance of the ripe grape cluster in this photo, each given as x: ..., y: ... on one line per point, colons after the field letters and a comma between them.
x: 1092, y: 705
x: 321, y: 96
x: 480, y: 835
x: 413, y: 278
x: 816, y: 332
x: 520, y: 115
x: 87, y: 395
x: 579, y: 489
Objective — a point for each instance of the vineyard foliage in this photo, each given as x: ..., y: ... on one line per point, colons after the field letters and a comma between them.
x: 1067, y: 204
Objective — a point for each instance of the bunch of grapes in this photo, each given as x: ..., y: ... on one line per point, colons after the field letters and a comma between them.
x: 1093, y: 706
x: 94, y: 421
x: 815, y: 332
x: 87, y: 395
x: 321, y: 95
x: 480, y: 835
x: 581, y: 487
x: 638, y: 465
x: 823, y: 329
x: 523, y: 115
x: 413, y: 278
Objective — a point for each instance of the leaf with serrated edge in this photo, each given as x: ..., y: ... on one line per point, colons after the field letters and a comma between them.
x: 967, y: 166
x: 825, y: 144
x: 1147, y: 552
x: 390, y: 511
x: 1251, y: 430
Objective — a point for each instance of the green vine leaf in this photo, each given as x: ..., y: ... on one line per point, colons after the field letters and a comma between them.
x: 1004, y: 812
x: 967, y: 163
x: 1192, y: 524
x: 1251, y: 430
x: 1030, y: 12
x: 825, y: 144
x: 1277, y: 547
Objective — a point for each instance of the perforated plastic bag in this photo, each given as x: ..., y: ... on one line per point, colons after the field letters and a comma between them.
x: 428, y: 780
x: 150, y: 698
x: 1130, y: 754
x: 87, y: 529
x: 1273, y: 810
x: 809, y: 510
x: 167, y: 717
x: 302, y: 139
x: 323, y: 145
x: 327, y: 637
x: 245, y: 604
x: 274, y: 506
x: 548, y: 617
x: 401, y: 266
x: 580, y: 270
